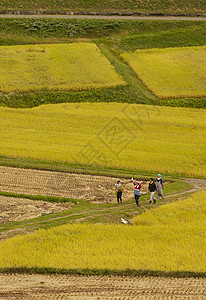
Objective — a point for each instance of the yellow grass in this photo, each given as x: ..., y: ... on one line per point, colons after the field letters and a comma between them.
x: 169, y: 238
x: 147, y: 138
x: 172, y: 72
x: 55, y: 67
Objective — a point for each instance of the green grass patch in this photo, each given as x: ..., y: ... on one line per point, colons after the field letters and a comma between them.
x: 105, y: 272
x: 39, y: 197
x: 118, y: 34
x: 172, y: 72
x: 170, y: 239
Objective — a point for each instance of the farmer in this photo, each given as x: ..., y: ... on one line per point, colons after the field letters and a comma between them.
x: 137, y: 187
x: 151, y: 190
x: 159, y: 187
x: 119, y: 189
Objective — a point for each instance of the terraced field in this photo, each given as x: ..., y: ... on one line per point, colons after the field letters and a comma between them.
x: 60, y: 67
x: 108, y: 135
x: 103, y: 137
x: 172, y: 72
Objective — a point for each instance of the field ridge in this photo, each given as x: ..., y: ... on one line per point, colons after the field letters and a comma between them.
x: 105, y: 15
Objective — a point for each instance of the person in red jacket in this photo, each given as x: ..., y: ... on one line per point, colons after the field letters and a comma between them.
x: 137, y: 187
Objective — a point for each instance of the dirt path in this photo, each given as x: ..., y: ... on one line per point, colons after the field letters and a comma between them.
x: 105, y: 17
x: 96, y: 189
x: 89, y: 288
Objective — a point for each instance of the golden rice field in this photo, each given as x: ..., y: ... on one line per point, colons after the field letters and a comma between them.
x: 171, y: 72
x: 65, y: 67
x: 168, y: 238
x: 141, y: 137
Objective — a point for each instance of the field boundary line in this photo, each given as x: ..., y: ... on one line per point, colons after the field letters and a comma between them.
x: 104, y: 272
x: 197, y: 17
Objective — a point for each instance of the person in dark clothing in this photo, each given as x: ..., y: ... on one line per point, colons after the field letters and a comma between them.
x: 119, y: 189
x: 151, y: 190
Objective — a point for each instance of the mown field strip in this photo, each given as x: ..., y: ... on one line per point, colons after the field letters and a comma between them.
x: 62, y: 67
x: 173, y: 72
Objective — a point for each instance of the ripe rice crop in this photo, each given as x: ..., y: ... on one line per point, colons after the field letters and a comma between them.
x: 141, y: 137
x: 168, y: 238
x: 62, y: 67
x: 171, y: 72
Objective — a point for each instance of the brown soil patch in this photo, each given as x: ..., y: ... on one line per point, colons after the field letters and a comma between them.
x: 18, y: 209
x: 97, y: 189
x: 90, y: 288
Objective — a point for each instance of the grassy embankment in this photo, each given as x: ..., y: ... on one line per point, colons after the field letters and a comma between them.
x: 108, y: 135
x: 170, y: 240
x: 113, y: 38
x: 123, y: 6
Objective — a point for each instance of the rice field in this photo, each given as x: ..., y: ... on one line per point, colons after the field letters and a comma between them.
x: 137, y: 137
x: 64, y: 67
x: 168, y: 238
x: 171, y: 72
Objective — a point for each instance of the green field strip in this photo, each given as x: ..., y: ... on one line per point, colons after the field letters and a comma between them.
x: 104, y: 272
x: 27, y: 163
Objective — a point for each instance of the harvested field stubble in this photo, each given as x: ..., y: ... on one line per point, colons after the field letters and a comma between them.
x: 97, y: 189
x: 17, y: 209
x: 62, y: 287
